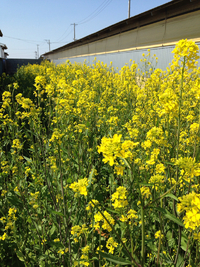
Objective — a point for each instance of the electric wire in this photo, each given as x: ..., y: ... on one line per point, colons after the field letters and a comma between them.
x: 93, y: 15
x: 24, y: 40
x: 92, y: 12
x: 63, y: 35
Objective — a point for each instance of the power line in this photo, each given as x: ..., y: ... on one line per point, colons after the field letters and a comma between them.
x: 93, y: 15
x: 80, y: 22
x: 63, y: 34
x: 24, y: 40
x: 60, y: 41
x: 97, y: 10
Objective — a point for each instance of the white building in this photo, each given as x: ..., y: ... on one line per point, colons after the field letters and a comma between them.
x: 158, y: 29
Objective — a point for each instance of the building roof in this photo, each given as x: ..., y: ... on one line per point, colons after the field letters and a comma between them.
x: 169, y: 10
x: 3, y: 46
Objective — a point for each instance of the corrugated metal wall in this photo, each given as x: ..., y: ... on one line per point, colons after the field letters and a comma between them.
x: 119, y: 59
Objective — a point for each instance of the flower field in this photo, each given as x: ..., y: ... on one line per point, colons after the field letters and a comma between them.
x: 99, y: 168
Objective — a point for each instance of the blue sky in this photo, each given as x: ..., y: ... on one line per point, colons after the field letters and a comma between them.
x: 28, y: 23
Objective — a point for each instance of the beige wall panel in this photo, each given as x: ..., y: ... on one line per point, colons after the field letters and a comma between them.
x: 186, y: 26
x: 100, y: 46
x: 149, y: 35
x: 92, y: 47
x: 126, y: 40
x: 85, y: 49
x: 112, y: 43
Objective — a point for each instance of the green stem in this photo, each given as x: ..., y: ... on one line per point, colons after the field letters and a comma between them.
x: 143, y: 234
x: 100, y: 247
x: 163, y: 195
x: 179, y: 114
x: 179, y: 244
x: 159, y: 246
x: 131, y: 244
x: 160, y: 237
x: 64, y: 206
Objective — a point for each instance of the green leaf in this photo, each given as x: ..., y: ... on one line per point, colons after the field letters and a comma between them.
x: 173, y: 218
x: 125, y: 162
x: 20, y: 255
x: 37, y: 247
x: 179, y: 261
x: 184, y: 243
x: 44, y: 189
x: 160, y: 209
x: 167, y: 259
x: 69, y: 180
x: 94, y: 258
x: 90, y: 176
x: 15, y: 201
x: 169, y: 163
x: 112, y: 211
x: 172, y: 196
x: 170, y: 239
x: 56, y: 212
x: 114, y: 259
x: 43, y: 257
x: 144, y: 184
x: 27, y: 159
x: 52, y: 230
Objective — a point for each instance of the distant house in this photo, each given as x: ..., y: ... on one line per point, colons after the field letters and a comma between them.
x: 10, y: 65
x: 2, y: 55
x: 157, y: 29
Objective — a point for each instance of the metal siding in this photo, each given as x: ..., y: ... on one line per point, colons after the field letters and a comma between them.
x: 119, y: 59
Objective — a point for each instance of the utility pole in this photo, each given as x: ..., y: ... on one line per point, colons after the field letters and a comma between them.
x: 48, y: 42
x: 35, y: 54
x: 129, y: 8
x: 74, y: 31
x: 37, y: 51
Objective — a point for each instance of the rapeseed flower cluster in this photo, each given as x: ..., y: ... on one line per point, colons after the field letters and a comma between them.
x: 158, y: 235
x: 84, y: 256
x: 113, y: 149
x: 105, y: 221
x: 77, y: 231
x: 188, y: 50
x: 80, y: 187
x: 189, y: 166
x: 111, y: 245
x: 190, y: 204
x: 134, y: 137
x: 120, y: 198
